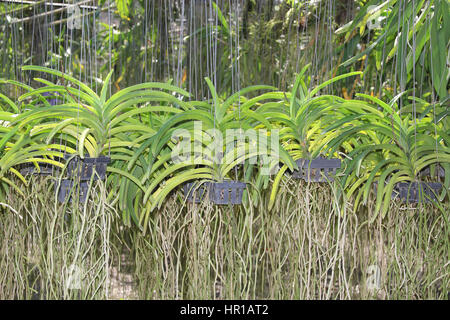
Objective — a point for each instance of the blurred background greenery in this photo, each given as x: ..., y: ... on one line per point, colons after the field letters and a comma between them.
x: 398, y: 44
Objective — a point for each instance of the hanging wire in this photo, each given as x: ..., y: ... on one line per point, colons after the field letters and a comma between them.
x: 433, y: 96
x: 403, y: 54
x: 22, y: 44
x: 94, y: 28
x: 414, y: 76
x: 314, y: 59
x: 216, y: 40
x: 190, y: 50
x: 232, y: 58
x: 382, y: 67
x: 153, y: 45
x: 167, y: 38
x: 208, y: 47
x: 331, y: 14
x: 198, y: 63
x: 180, y: 47
x: 238, y: 79
x: 400, y: 14
x: 298, y: 37
x: 110, y: 68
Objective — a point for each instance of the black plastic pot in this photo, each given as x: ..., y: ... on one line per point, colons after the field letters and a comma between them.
x: 67, y: 190
x: 83, y: 169
x: 227, y: 192
x: 414, y: 192
x: 195, y: 193
x: 439, y: 173
x: 52, y: 102
x: 317, y: 170
x: 45, y: 169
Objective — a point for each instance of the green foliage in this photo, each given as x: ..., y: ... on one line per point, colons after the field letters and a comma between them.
x: 413, y: 39
x: 136, y: 124
x: 105, y: 107
x: 123, y: 6
x: 138, y: 128
x: 387, y: 148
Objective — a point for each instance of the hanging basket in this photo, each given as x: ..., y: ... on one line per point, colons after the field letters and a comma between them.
x: 439, y: 172
x: 227, y: 192
x: 317, y: 170
x: 67, y: 190
x: 414, y: 192
x: 83, y: 169
x: 45, y: 169
x: 194, y: 193
x: 52, y: 102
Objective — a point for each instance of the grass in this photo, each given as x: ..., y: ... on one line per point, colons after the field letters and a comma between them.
x: 310, y: 246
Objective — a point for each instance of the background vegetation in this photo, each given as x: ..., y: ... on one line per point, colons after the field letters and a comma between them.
x: 364, y: 81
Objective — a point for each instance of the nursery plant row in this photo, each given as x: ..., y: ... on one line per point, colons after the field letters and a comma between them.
x: 133, y: 139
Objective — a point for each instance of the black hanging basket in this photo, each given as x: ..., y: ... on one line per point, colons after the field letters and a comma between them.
x: 439, y: 172
x: 45, y: 169
x: 194, y: 193
x: 414, y: 192
x: 83, y: 169
x: 317, y: 170
x: 67, y: 190
x: 52, y: 102
x: 227, y: 192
